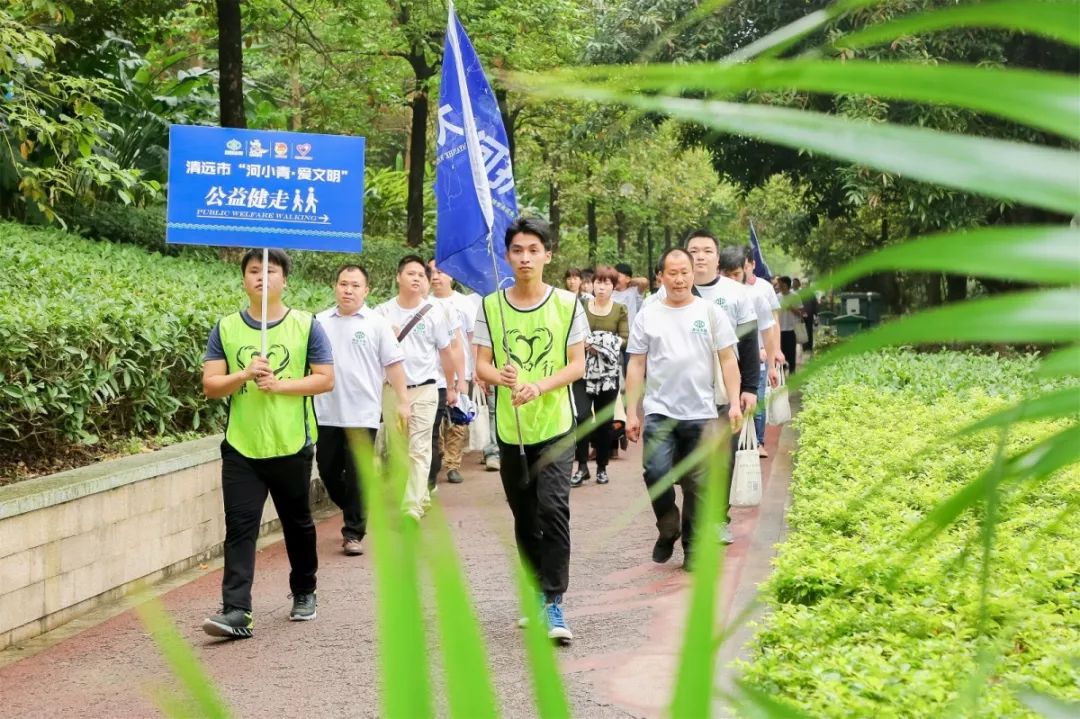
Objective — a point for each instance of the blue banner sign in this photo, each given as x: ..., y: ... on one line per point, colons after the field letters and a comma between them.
x: 265, y: 188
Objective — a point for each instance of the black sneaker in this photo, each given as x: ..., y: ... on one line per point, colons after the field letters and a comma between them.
x: 454, y: 477
x: 303, y: 607
x: 664, y: 548
x: 232, y: 623
x: 579, y: 477
x: 601, y: 476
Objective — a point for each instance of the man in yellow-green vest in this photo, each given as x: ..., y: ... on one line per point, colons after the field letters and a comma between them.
x: 269, y: 438
x: 532, y: 360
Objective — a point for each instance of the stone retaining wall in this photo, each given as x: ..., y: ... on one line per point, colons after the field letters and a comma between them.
x: 73, y: 540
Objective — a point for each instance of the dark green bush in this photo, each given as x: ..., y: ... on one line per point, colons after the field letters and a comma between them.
x: 103, y: 340
x: 143, y: 226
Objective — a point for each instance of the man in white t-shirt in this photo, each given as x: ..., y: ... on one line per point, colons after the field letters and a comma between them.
x: 449, y: 439
x: 425, y: 336
x: 672, y: 345
x: 789, y: 317
x: 770, y: 340
x: 367, y: 356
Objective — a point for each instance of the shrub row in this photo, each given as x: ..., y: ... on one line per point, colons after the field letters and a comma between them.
x: 105, y: 340
x: 848, y: 635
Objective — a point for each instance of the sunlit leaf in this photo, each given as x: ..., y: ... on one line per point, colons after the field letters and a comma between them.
x: 1054, y: 19
x: 1063, y: 363
x: 1039, y: 99
x: 1039, y: 176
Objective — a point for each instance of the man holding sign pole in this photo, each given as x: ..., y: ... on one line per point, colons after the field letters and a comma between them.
x: 270, y: 435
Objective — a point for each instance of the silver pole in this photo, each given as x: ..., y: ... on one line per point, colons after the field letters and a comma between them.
x: 265, y: 275
x: 506, y: 348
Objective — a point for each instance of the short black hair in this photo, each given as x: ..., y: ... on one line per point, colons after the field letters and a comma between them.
x: 274, y: 255
x: 572, y: 272
x: 409, y: 259
x: 624, y: 268
x: 748, y: 254
x: 668, y: 253
x: 535, y: 226
x: 701, y: 233
x: 785, y: 280
x: 732, y: 257
x: 586, y: 275
x: 358, y: 268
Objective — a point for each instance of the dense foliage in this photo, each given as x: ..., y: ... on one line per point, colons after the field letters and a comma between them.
x: 100, y: 340
x: 865, y: 623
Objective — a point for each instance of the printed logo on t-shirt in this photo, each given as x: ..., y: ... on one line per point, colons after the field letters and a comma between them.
x: 699, y: 328
x: 720, y: 302
x: 359, y: 339
x: 420, y: 328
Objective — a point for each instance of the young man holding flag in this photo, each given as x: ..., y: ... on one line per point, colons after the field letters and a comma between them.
x: 531, y: 348
x: 269, y: 437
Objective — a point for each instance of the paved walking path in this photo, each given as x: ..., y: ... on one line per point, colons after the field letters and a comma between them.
x: 626, y: 613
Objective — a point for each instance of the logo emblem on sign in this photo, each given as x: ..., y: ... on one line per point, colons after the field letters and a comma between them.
x: 303, y: 151
x: 256, y: 149
x: 281, y: 150
x: 234, y: 147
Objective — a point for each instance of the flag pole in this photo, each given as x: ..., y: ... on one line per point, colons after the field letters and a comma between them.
x: 265, y: 279
x: 506, y: 350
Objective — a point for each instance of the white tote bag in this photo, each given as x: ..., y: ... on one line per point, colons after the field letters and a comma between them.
x: 800, y: 331
x: 720, y: 397
x: 480, y: 427
x: 746, y: 480
x: 777, y: 406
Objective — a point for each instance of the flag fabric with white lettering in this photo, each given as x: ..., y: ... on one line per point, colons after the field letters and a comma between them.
x: 474, y: 179
x: 760, y: 268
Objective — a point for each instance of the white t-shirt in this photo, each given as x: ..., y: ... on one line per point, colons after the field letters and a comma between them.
x: 421, y: 346
x: 579, y: 326
x: 629, y: 297
x: 464, y: 311
x: 726, y: 293
x: 679, y: 344
x: 787, y: 317
x: 364, y: 344
x: 450, y: 313
x: 765, y: 302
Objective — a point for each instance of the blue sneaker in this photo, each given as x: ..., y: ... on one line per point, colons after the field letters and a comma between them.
x: 557, y: 628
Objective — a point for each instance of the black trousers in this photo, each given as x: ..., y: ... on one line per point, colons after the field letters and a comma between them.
x: 245, y: 483
x: 787, y: 347
x: 808, y: 345
x: 599, y: 433
x: 337, y: 469
x: 539, y: 498
x: 436, y: 432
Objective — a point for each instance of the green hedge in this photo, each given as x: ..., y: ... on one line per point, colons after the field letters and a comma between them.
x: 106, y: 340
x: 878, y: 450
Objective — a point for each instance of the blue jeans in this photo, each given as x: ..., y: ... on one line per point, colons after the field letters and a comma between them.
x: 759, y: 415
x: 667, y: 442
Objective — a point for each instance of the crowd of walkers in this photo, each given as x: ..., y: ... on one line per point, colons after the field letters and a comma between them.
x: 570, y: 375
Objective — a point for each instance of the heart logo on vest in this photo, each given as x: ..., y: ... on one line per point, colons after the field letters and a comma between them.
x: 529, y: 351
x: 277, y: 355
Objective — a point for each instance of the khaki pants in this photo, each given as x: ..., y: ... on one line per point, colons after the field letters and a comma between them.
x: 423, y: 403
x: 454, y: 439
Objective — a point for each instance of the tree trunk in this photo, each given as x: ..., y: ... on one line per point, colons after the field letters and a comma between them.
x: 955, y: 288
x: 933, y: 290
x: 296, y: 96
x: 554, y: 212
x: 508, y: 121
x: 649, y: 271
x: 620, y: 232
x: 594, y: 239
x: 230, y: 64
x: 414, y: 233
x: 667, y: 239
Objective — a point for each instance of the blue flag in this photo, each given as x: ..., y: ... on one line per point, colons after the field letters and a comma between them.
x: 760, y: 268
x: 474, y: 180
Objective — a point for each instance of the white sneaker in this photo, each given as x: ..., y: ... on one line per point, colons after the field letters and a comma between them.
x: 724, y: 535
